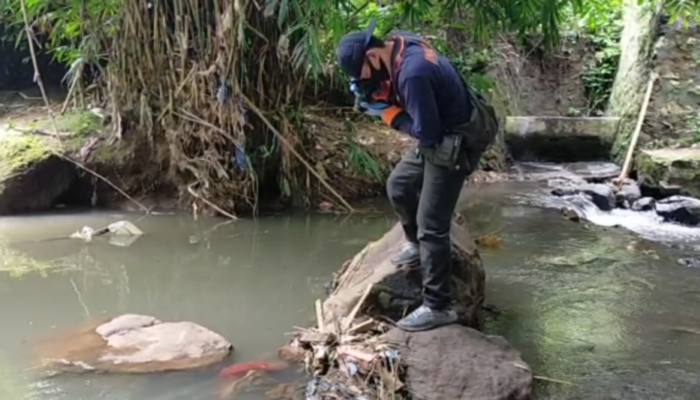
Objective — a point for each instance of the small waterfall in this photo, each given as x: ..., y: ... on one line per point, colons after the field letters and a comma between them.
x: 644, y: 223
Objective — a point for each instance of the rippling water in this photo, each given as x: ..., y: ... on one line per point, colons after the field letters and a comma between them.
x: 601, y: 308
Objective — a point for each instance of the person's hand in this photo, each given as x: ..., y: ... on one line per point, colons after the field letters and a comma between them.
x: 374, y: 109
x: 354, y: 89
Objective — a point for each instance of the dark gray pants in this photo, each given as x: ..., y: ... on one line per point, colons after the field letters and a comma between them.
x: 424, y: 196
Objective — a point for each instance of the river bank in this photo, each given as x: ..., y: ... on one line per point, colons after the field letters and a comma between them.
x: 95, y: 161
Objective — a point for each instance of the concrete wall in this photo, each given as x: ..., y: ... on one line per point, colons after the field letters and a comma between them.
x: 674, y: 111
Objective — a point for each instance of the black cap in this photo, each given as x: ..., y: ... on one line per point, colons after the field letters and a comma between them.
x: 352, y: 49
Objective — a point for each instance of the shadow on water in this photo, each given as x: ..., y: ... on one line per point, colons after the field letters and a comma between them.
x: 598, y: 307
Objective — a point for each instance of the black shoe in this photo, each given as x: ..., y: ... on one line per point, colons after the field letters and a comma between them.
x: 408, y: 254
x: 425, y: 319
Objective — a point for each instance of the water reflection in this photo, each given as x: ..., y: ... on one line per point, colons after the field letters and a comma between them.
x: 583, y: 304
x: 251, y: 281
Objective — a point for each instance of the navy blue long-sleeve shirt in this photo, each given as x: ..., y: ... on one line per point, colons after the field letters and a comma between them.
x: 430, y: 91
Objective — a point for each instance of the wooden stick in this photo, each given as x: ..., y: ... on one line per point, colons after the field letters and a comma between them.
x: 319, y: 316
x: 637, y: 130
x: 353, y: 314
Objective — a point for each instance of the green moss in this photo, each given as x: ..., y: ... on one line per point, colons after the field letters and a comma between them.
x: 19, y: 151
x: 679, y: 167
x: 78, y: 122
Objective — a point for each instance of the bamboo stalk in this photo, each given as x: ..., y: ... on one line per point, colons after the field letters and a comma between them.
x: 637, y: 130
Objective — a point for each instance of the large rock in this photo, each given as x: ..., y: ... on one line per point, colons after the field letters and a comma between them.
x: 670, y: 170
x: 31, y: 177
x: 398, y: 291
x: 679, y: 209
x: 459, y: 363
x: 134, y: 344
x: 599, y: 194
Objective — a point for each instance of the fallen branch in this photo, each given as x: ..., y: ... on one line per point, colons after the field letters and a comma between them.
x: 194, y: 193
x: 40, y: 83
x: 353, y: 314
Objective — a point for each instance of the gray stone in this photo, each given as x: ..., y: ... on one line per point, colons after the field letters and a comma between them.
x: 600, y: 194
x: 594, y: 171
x: 643, y: 204
x: 679, y: 209
x: 628, y: 193
x: 458, y: 363
x: 670, y: 170
x: 134, y: 343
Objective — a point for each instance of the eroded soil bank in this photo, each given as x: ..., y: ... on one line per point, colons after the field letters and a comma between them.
x: 97, y: 161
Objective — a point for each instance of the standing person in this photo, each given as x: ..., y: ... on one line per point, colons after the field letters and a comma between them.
x: 417, y: 91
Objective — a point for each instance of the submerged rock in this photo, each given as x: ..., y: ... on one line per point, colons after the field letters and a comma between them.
x: 679, y: 209
x: 396, y: 291
x: 135, y: 344
x: 459, y: 363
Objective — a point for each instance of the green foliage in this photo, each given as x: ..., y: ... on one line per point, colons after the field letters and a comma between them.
x: 600, y: 24
x: 363, y: 164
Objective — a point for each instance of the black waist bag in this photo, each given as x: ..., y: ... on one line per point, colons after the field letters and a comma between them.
x: 481, y: 130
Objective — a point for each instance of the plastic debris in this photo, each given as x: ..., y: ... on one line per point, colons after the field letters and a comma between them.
x: 124, y: 228
x: 123, y: 233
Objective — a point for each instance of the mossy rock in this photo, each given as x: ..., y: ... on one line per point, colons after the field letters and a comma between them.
x: 32, y: 176
x: 77, y: 123
x: 671, y: 167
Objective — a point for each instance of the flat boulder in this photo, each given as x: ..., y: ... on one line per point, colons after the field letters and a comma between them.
x: 134, y: 343
x: 679, y: 209
x: 459, y: 363
x: 670, y: 171
x: 395, y: 291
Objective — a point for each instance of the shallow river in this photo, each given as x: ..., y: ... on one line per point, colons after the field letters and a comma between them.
x: 601, y: 310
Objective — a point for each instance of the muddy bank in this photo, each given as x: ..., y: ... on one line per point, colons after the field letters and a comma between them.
x: 347, y: 159
x: 39, y: 164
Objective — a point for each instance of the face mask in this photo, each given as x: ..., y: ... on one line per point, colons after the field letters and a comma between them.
x: 366, y: 87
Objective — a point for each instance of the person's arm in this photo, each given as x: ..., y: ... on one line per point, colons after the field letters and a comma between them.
x: 420, y: 117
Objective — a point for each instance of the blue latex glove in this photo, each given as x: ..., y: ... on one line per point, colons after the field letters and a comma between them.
x: 354, y: 89
x: 374, y: 109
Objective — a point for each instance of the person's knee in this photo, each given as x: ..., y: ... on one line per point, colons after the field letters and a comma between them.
x: 397, y: 188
